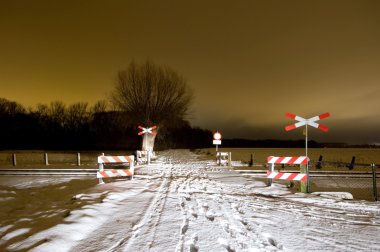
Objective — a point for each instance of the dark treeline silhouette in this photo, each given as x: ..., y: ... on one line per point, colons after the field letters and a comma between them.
x: 80, y: 127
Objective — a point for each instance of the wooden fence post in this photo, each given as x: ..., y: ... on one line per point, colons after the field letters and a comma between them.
x: 14, y: 160
x: 250, y: 164
x: 319, y: 163
x: 374, y: 181
x: 46, y: 159
x: 352, y: 164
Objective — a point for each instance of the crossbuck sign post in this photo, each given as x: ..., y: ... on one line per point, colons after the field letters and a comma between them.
x: 147, y: 130
x: 312, y: 122
x: 217, y: 139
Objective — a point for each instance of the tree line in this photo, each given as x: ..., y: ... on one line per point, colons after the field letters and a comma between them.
x: 79, y: 126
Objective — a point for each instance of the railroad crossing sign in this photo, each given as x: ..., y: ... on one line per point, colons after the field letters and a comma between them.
x: 217, y: 139
x: 147, y: 130
x: 311, y: 121
x: 217, y: 136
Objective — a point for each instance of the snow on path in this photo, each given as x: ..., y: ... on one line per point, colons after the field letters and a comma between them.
x: 181, y: 203
x: 239, y: 215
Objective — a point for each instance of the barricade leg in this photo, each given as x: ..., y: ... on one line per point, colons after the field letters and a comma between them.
x: 132, y: 168
x: 101, y: 168
x: 303, y: 185
x: 271, y: 169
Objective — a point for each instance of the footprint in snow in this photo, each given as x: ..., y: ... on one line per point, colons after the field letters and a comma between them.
x: 185, y: 226
x: 193, y: 212
x: 224, y: 244
x: 187, y: 197
x: 193, y: 247
x: 205, y: 205
x: 272, y: 241
x: 239, y: 218
x: 210, y: 215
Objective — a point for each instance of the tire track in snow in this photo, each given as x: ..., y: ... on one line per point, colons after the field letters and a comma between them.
x: 147, y: 225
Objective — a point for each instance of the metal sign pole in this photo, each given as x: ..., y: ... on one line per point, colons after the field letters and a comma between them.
x: 307, y: 164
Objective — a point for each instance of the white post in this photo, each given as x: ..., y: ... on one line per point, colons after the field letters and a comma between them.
x: 14, y: 159
x: 271, y: 169
x: 46, y: 159
x: 148, y: 156
x: 132, y: 166
x: 307, y: 164
x: 78, y: 159
x: 101, y: 168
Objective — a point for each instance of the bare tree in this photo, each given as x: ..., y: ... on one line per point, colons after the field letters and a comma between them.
x: 10, y: 107
x: 99, y: 107
x: 151, y: 94
x: 77, y: 116
x: 57, y: 113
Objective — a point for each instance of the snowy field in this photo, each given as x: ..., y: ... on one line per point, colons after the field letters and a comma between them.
x: 183, y: 203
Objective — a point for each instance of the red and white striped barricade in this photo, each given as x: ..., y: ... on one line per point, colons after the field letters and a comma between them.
x: 102, y: 173
x: 283, y: 175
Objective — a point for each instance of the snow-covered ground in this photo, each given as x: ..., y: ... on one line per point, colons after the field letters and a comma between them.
x: 182, y: 203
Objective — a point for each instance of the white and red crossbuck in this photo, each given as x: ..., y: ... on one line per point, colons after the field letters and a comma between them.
x: 147, y: 130
x: 311, y: 121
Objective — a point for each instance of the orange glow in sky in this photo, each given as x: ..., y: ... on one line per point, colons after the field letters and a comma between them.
x: 249, y: 62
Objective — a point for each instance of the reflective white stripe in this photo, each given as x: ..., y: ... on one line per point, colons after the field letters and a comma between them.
x: 123, y: 173
x: 122, y: 158
x: 299, y: 176
x: 313, y: 119
x: 300, y: 160
x: 298, y: 118
x: 273, y: 174
x: 285, y: 175
x: 313, y: 124
x: 286, y: 160
x: 299, y: 124
x: 110, y: 174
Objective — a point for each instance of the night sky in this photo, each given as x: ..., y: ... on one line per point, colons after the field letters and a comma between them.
x: 248, y: 62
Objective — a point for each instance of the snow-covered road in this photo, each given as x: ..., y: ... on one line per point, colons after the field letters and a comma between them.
x: 183, y: 203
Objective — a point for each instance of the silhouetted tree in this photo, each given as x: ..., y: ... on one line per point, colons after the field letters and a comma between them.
x: 10, y: 107
x: 151, y: 94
